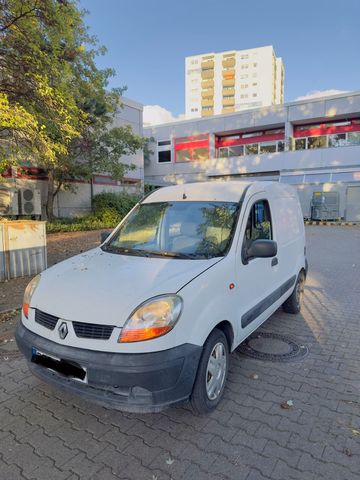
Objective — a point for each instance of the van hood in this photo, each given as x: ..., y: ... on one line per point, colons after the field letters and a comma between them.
x: 104, y: 288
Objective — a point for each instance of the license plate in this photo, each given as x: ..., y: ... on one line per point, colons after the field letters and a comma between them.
x: 65, y: 368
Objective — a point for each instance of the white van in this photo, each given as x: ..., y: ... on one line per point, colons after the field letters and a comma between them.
x: 148, y: 319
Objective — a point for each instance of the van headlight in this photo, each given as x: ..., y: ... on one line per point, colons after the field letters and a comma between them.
x: 29, y: 292
x: 153, y: 318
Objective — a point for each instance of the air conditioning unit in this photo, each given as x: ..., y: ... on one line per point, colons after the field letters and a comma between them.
x: 29, y: 202
x: 9, y: 205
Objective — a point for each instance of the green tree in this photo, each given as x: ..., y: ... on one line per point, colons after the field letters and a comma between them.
x: 55, y: 109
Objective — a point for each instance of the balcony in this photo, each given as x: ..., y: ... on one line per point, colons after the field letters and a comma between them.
x: 207, y: 113
x: 230, y: 91
x: 228, y: 63
x: 228, y: 74
x: 206, y: 102
x: 207, y: 84
x: 228, y: 110
x: 207, y: 74
x: 228, y: 102
x: 208, y: 64
x: 208, y: 93
x: 228, y: 82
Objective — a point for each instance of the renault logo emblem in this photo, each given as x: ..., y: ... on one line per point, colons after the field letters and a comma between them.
x: 63, y: 330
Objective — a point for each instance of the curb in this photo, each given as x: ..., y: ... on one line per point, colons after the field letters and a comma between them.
x: 332, y: 223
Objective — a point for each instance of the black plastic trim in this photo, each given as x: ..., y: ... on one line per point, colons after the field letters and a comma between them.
x: 136, y: 382
x: 260, y: 308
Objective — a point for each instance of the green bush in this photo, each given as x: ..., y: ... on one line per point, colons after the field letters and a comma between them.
x: 121, y: 203
x: 110, y: 209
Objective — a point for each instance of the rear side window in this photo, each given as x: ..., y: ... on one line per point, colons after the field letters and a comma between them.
x: 258, y: 225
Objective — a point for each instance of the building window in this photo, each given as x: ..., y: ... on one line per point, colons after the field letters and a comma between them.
x: 317, y: 142
x: 280, y: 146
x: 254, y: 65
x: 244, y: 75
x: 244, y: 96
x: 254, y: 84
x: 254, y: 94
x: 354, y: 138
x: 162, y: 143
x: 246, y: 65
x: 164, y: 156
x: 267, y: 147
x: 244, y: 85
x: 252, y: 149
x: 337, y: 140
x: 183, y: 155
x: 199, y: 154
x: 300, y: 143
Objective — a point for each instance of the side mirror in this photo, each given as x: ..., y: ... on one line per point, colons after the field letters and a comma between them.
x: 104, y: 236
x: 262, y: 248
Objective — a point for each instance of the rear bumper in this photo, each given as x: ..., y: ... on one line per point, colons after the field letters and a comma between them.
x: 132, y: 382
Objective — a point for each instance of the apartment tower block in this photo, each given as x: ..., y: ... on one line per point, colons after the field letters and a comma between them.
x: 232, y: 81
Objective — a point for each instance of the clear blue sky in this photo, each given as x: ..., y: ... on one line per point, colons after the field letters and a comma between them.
x: 147, y: 41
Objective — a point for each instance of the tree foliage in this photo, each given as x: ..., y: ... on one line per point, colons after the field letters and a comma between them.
x: 55, y: 109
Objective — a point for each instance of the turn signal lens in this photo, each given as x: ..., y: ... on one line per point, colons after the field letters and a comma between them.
x: 29, y: 292
x: 152, y: 319
x: 26, y: 309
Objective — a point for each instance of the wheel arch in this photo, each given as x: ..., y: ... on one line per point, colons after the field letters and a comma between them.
x: 227, y: 329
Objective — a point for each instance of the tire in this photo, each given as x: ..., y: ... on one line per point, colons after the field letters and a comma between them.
x: 207, y: 393
x: 293, y: 303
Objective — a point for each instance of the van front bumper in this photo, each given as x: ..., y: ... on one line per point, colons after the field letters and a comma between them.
x: 145, y: 382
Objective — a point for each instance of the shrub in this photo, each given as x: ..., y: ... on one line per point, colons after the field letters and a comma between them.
x: 121, y: 203
x: 110, y: 209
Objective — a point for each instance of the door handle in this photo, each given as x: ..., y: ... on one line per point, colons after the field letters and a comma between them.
x: 274, y: 262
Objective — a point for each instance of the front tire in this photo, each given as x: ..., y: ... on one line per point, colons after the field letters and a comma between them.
x: 212, y: 373
x: 293, y: 303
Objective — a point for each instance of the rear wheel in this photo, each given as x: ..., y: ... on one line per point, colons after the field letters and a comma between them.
x: 293, y: 303
x: 212, y: 373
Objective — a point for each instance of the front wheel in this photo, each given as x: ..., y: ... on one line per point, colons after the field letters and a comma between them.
x: 212, y: 373
x: 293, y: 303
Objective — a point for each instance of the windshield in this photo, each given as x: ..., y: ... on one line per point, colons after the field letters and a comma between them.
x: 177, y: 229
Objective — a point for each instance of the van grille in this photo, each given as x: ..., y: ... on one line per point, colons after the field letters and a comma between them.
x: 91, y: 330
x: 45, y: 319
x: 82, y: 330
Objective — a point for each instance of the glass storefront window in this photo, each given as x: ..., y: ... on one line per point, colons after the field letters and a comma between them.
x: 317, y: 142
x: 337, y: 140
x: 222, y: 152
x: 200, y: 154
x: 236, y: 151
x: 252, y: 149
x: 354, y: 138
x: 280, y: 146
x: 267, y: 147
x: 183, y: 156
x: 300, y: 143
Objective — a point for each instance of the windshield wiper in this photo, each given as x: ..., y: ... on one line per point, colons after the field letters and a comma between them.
x: 126, y: 251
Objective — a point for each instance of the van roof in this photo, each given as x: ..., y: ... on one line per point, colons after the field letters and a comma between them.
x: 220, y: 191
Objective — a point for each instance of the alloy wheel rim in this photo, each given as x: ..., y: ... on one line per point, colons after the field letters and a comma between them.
x: 216, y: 371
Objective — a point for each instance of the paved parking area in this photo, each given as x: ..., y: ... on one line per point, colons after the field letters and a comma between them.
x: 45, y: 434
